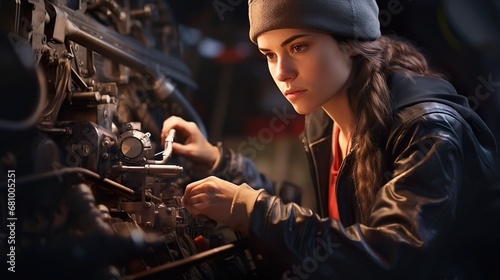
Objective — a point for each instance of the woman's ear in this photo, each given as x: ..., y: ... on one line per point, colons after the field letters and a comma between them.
x: 347, y: 49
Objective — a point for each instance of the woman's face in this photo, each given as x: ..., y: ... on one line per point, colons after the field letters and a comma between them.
x: 308, y: 67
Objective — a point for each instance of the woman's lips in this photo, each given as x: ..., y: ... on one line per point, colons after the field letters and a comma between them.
x: 292, y: 94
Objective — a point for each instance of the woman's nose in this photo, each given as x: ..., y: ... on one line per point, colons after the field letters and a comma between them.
x: 285, y: 69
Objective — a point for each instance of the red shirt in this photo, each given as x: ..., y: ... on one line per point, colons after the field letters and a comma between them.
x: 333, y: 210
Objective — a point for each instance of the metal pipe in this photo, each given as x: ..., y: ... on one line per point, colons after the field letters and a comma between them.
x: 79, y: 175
x: 165, y: 170
x: 109, y: 43
x: 167, y: 152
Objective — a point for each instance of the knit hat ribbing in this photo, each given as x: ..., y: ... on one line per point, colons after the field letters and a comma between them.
x: 347, y: 18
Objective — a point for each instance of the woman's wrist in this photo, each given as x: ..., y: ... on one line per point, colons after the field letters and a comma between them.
x: 218, y: 151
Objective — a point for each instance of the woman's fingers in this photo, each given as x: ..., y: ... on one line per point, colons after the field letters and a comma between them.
x: 183, y: 128
x: 211, y: 197
x: 191, y: 143
x: 195, y: 199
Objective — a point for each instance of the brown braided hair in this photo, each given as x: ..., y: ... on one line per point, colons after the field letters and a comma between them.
x: 370, y: 101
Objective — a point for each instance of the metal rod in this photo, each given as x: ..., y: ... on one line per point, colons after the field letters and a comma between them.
x: 166, y: 170
x: 73, y: 173
x: 178, y: 267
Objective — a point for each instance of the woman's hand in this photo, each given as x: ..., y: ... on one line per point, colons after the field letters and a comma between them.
x: 210, y: 197
x: 191, y: 143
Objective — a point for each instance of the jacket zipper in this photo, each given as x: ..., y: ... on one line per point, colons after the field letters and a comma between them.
x: 342, y: 167
x: 314, y: 167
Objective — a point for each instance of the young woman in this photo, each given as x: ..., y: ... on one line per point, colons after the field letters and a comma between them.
x: 400, y: 163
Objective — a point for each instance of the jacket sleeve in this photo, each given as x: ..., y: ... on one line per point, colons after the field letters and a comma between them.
x: 238, y: 169
x: 412, y: 217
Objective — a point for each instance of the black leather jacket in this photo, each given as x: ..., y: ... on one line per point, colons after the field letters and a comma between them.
x: 436, y: 216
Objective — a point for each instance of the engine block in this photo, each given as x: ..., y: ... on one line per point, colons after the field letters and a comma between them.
x: 97, y: 196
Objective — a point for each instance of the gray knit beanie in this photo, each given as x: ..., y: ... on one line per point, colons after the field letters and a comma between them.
x: 346, y: 18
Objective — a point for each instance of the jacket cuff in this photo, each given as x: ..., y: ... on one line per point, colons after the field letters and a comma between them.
x: 242, y: 207
x: 223, y: 163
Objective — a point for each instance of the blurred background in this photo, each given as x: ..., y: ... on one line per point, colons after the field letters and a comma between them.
x: 238, y: 100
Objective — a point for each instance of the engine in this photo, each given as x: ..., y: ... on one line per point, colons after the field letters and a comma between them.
x: 89, y: 191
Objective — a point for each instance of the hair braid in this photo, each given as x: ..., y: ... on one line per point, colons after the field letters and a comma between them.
x: 370, y: 102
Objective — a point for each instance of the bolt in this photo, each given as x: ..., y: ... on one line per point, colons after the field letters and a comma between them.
x: 85, y: 150
x: 105, y: 142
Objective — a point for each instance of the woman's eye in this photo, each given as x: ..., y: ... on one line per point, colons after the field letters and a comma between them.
x: 298, y: 48
x: 269, y: 56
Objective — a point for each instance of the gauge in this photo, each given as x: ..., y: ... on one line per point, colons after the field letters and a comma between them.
x: 135, y: 147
